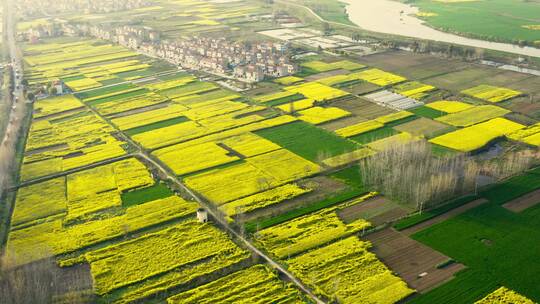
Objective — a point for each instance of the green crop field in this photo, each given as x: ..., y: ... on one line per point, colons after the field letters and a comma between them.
x: 503, y: 20
x: 307, y: 141
x: 495, y: 244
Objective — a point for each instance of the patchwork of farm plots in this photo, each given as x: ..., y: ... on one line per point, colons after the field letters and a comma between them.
x: 180, y: 18
x: 244, y: 155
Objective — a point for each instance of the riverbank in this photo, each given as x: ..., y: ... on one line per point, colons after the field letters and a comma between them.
x: 396, y: 18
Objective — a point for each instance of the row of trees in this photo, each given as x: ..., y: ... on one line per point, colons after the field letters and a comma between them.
x: 410, y: 173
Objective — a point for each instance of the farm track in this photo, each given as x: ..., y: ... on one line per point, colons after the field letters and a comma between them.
x: 524, y: 202
x: 441, y: 218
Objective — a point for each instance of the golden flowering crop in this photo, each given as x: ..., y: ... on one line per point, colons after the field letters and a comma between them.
x: 40, y: 201
x: 263, y: 199
x: 535, y: 27
x: 401, y: 138
x: 348, y: 272
x: 161, y: 86
x: 393, y: 117
x: 379, y: 77
x: 257, y: 284
x: 319, y: 115
x: 52, y: 238
x: 504, y: 295
x: 217, y: 128
x: 255, y: 175
x: 316, y: 91
x: 529, y: 135
x: 473, y: 116
x: 41, y: 168
x: 297, y: 105
x: 413, y: 89
x: 348, y: 158
x: 99, y: 188
x: 359, y: 128
x: 149, y: 117
x: 491, y: 93
x: 115, y: 93
x: 194, y: 158
x: 306, y: 232
x: 156, y: 253
x: 82, y: 136
x: 288, y: 80
x: 214, y: 108
x: 449, y: 106
x: 321, y: 66
x: 477, y: 136
x: 249, y: 144
x: 48, y: 106
x: 83, y: 84
x: 129, y: 103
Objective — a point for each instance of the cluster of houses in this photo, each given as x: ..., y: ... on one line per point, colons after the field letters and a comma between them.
x: 39, y: 7
x: 248, y: 62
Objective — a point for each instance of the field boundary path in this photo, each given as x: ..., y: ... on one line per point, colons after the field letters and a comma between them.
x: 523, y: 202
x: 441, y: 218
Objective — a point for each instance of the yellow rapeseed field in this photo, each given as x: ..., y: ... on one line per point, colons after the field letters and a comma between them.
x: 473, y: 116
x: 449, y: 106
x: 319, y: 115
x: 491, y: 93
x: 348, y: 272
x: 477, y: 136
x: 359, y: 128
x: 504, y: 295
x: 379, y: 77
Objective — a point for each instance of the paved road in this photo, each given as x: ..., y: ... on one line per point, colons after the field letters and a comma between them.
x: 19, y: 107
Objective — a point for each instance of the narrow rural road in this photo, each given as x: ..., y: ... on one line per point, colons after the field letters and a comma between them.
x: 8, y: 145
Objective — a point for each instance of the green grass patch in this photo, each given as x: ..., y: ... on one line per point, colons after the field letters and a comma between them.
x: 305, y: 71
x: 500, y: 20
x: 156, y: 125
x: 104, y: 91
x: 496, y: 245
x: 144, y: 195
x: 366, y: 138
x: 499, y: 247
x: 111, y: 81
x: 512, y: 188
x: 401, y: 121
x: 280, y: 101
x: 138, y: 92
x: 441, y: 151
x: 427, y: 112
x: 173, y: 76
x: 72, y: 78
x: 307, y: 140
x: 427, y: 215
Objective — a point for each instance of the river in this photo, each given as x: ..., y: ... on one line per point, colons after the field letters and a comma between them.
x: 385, y: 16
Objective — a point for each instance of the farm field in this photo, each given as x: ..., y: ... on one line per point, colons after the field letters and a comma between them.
x: 491, y: 20
x: 491, y: 241
x: 159, y: 182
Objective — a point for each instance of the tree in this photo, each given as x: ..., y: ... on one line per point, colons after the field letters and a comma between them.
x: 30, y: 96
x: 327, y: 29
